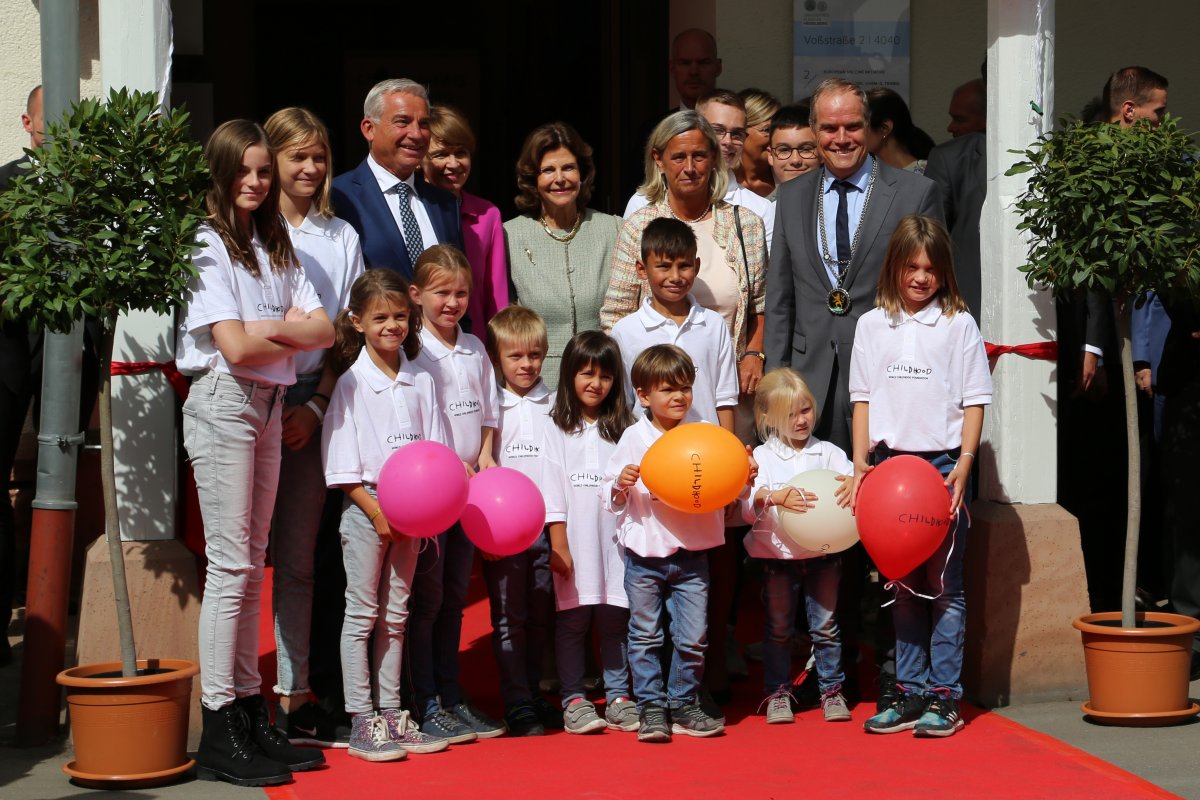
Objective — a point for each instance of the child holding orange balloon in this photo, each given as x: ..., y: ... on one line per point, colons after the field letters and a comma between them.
x: 919, y: 381
x: 590, y: 414
x: 381, y: 402
x: 520, y: 589
x: 785, y: 414
x: 665, y: 560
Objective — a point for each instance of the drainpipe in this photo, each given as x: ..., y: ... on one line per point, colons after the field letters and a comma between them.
x: 59, y: 439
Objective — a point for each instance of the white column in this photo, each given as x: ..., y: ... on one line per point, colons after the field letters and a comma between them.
x: 1018, y: 459
x: 135, y: 52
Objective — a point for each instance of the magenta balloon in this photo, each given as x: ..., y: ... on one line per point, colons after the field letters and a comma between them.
x: 505, y: 512
x: 422, y: 488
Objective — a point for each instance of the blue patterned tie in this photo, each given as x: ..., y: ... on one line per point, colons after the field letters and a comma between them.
x: 410, y: 229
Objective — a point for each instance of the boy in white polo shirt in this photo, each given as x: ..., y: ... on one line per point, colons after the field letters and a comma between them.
x: 665, y: 562
x: 670, y: 315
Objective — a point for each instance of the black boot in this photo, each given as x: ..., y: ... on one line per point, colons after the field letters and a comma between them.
x: 273, y: 741
x: 228, y: 752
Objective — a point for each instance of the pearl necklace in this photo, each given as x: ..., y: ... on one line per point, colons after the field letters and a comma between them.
x: 569, y: 235
x: 693, y: 221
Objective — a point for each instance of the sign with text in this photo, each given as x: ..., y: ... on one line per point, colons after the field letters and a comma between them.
x: 865, y: 41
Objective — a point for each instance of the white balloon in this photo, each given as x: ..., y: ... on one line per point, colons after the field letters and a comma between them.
x: 825, y: 528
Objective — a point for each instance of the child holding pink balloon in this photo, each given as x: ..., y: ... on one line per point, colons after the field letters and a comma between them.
x: 520, y: 589
x: 466, y: 392
x: 590, y: 414
x: 785, y: 414
x: 381, y: 402
x: 919, y: 381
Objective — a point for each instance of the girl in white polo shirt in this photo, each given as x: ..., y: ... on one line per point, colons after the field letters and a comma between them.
x: 328, y: 250
x: 919, y: 381
x: 250, y: 309
x: 381, y: 402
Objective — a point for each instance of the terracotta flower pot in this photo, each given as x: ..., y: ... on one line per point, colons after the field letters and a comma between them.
x: 1138, y: 676
x: 129, y: 732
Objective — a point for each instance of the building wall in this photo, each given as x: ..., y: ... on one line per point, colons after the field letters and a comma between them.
x: 21, y: 64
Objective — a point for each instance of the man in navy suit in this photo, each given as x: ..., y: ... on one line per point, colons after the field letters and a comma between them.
x: 397, y: 215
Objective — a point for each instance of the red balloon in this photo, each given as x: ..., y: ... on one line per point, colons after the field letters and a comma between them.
x: 903, y: 514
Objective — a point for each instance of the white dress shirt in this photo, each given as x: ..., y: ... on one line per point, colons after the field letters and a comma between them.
x: 387, y: 184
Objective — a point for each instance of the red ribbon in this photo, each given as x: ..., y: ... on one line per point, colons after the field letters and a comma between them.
x: 178, y: 380
x: 1041, y: 351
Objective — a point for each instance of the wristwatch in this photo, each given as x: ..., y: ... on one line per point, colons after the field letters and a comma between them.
x: 757, y: 353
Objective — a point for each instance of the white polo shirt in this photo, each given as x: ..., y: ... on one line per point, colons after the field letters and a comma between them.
x: 735, y: 195
x: 599, y: 575
x: 778, y: 463
x: 646, y: 525
x: 919, y: 372
x: 703, y: 336
x: 520, y: 444
x: 466, y: 389
x: 226, y: 291
x: 387, y: 184
x: 329, y: 252
x: 371, y: 416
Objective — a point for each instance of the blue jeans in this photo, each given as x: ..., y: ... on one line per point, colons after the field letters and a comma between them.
x: 439, y: 594
x: 931, y: 663
x: 680, y: 583
x: 783, y: 582
x: 521, y: 595
x: 293, y: 542
x: 571, y: 642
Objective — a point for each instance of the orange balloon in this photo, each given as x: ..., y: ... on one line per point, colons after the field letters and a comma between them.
x: 696, y: 468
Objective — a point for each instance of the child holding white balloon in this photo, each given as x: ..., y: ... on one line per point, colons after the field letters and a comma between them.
x: 520, y: 589
x: 381, y: 402
x: 919, y: 381
x: 590, y: 413
x: 666, y: 565
x: 785, y: 414
x: 466, y: 391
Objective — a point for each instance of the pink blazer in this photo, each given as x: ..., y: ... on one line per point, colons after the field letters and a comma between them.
x: 483, y: 240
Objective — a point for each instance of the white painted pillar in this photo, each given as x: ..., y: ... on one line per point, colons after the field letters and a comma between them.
x: 1019, y: 456
x: 135, y: 51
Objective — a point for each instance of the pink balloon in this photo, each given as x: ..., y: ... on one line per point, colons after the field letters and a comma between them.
x: 505, y: 512
x: 422, y: 488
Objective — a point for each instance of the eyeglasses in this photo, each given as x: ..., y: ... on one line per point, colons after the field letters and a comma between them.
x: 737, y: 134
x: 784, y: 152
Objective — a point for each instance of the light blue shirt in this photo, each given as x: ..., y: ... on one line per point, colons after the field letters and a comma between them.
x: 855, y: 199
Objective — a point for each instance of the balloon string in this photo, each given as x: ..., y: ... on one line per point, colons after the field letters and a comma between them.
x: 431, y: 541
x: 897, y: 584
x: 764, y: 515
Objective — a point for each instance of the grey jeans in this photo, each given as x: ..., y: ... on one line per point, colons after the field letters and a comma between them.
x: 231, y: 429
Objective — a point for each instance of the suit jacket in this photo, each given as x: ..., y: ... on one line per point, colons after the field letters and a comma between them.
x: 800, y: 331
x: 357, y: 199
x: 959, y: 168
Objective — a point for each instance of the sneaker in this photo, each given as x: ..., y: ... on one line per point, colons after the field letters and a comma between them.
x: 692, y: 720
x: 444, y: 725
x: 834, y: 706
x: 654, y: 727
x: 580, y: 717
x: 940, y: 719
x: 484, y: 726
x: 622, y: 715
x: 887, y: 690
x: 710, y: 706
x: 312, y: 725
x: 550, y: 716
x: 371, y: 739
x: 405, y: 731
x: 901, y: 715
x: 522, y: 720
x: 779, y: 707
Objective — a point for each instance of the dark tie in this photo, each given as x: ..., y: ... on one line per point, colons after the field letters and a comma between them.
x: 842, y: 221
x: 411, y: 230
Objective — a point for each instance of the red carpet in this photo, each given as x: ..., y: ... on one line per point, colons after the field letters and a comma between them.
x: 991, y: 758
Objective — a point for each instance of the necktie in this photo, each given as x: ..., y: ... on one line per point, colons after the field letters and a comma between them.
x: 842, y: 222
x: 409, y: 228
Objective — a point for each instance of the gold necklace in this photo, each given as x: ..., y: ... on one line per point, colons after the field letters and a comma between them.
x: 569, y: 235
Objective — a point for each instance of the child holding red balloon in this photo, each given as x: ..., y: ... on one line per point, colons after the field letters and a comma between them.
x: 466, y: 391
x: 919, y: 381
x: 520, y: 589
x: 665, y: 560
x: 590, y: 413
x: 785, y: 414
x: 381, y: 402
